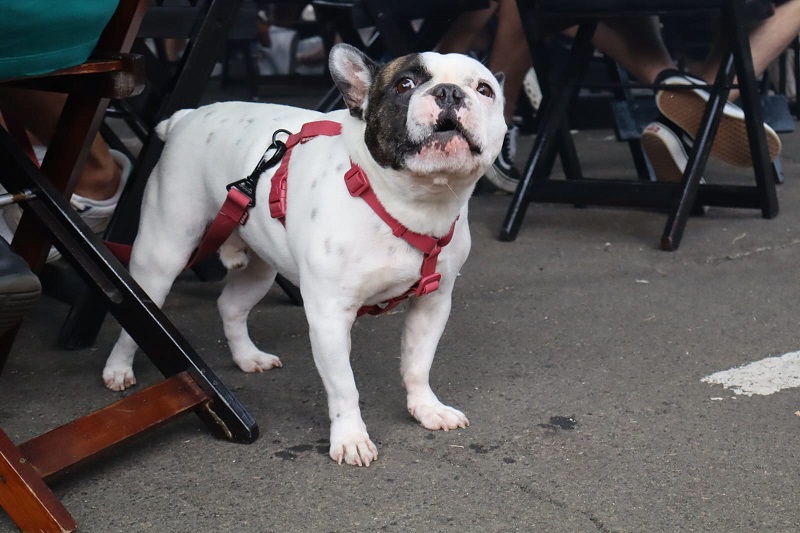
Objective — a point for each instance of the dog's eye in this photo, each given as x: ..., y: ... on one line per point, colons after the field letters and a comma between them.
x: 485, y: 89
x: 405, y: 84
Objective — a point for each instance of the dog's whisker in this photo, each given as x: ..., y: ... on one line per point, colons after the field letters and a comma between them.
x: 452, y: 191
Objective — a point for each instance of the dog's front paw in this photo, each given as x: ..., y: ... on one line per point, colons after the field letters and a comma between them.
x: 119, y: 378
x: 352, y: 446
x: 438, y: 416
x: 257, y: 362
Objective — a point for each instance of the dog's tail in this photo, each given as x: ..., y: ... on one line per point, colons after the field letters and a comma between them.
x: 165, y: 126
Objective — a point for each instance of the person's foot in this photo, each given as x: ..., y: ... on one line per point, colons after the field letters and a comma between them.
x: 96, y: 213
x: 685, y: 108
x: 19, y: 288
x: 503, y: 174
x: 665, y: 152
x: 667, y: 155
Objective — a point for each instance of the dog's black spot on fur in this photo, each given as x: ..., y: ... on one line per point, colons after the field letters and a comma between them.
x: 209, y: 113
x: 340, y: 169
x: 313, y: 184
x: 314, y: 213
x: 238, y: 141
x: 210, y: 136
x: 327, y: 246
x: 386, y: 131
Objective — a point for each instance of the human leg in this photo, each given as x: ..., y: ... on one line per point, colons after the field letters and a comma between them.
x: 39, y: 111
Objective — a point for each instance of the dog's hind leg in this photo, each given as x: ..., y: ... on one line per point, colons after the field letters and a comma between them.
x: 158, y: 257
x: 244, y: 289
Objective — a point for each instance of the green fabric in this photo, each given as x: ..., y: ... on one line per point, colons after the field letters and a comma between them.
x: 39, y: 36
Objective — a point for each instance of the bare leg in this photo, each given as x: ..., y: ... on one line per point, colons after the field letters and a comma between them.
x: 465, y: 29
x: 510, y: 54
x: 767, y: 42
x: 635, y: 44
x: 39, y: 111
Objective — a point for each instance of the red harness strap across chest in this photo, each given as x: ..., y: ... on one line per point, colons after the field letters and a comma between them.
x: 358, y: 186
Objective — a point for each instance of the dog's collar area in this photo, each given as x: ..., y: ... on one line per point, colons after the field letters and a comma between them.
x: 358, y: 185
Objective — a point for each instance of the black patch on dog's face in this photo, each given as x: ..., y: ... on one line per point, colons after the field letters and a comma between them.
x: 386, y: 133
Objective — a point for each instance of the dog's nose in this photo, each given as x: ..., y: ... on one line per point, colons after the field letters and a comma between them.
x: 448, y: 95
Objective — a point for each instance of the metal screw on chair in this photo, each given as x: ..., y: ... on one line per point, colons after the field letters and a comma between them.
x: 9, y: 198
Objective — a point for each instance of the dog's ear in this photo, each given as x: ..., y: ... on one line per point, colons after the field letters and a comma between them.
x: 501, y: 78
x: 353, y: 73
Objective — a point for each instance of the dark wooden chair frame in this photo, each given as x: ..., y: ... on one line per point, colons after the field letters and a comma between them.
x: 678, y: 198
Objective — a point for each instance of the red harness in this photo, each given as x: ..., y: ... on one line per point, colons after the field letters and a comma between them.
x: 358, y: 186
x: 241, y: 197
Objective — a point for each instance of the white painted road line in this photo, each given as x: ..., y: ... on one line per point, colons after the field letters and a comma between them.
x: 763, y: 377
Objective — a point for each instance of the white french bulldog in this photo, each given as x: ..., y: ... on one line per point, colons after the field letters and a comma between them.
x: 423, y: 128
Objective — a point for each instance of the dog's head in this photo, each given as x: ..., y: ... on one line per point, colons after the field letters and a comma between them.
x: 428, y: 114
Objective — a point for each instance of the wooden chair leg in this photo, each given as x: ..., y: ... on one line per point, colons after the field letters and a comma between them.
x: 25, y: 497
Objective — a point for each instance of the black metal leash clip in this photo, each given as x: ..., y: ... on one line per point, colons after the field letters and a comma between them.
x: 247, y: 186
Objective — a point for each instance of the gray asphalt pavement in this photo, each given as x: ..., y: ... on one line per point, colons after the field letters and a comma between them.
x: 577, y: 352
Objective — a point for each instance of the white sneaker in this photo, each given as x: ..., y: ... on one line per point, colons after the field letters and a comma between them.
x: 503, y: 174
x: 280, y: 57
x: 96, y: 213
x: 665, y: 152
x: 532, y: 88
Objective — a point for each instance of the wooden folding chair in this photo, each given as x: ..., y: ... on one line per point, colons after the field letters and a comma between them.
x: 48, y: 218
x: 678, y: 198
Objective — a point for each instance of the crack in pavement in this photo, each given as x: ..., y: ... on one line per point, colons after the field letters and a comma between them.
x: 760, y: 249
x: 547, y: 498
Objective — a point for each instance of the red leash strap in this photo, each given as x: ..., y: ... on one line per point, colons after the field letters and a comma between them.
x: 232, y: 213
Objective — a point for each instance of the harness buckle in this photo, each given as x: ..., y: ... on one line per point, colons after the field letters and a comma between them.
x: 245, y: 186
x: 277, y: 198
x: 357, y: 183
x: 428, y: 284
